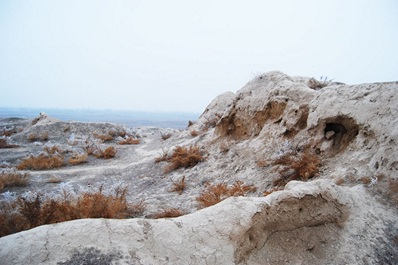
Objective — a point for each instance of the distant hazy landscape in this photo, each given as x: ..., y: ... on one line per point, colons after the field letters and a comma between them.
x: 130, y: 118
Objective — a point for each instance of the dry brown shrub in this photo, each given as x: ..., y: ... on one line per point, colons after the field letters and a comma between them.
x: 392, y: 184
x: 218, y: 192
x: 184, y: 157
x: 339, y: 181
x: 28, y: 213
x: 108, y: 153
x: 168, y: 213
x: 54, y: 179
x: 318, y: 84
x: 165, y: 136
x: 296, y: 166
x: 268, y: 192
x: 76, y: 158
x: 239, y: 189
x: 366, y: 180
x: 194, y: 133
x: 103, y: 137
x: 41, y: 162
x: 129, y: 140
x: 4, y: 144
x: 8, y: 132
x: 179, y: 186
x: 163, y: 157
x: 13, y: 179
x: 34, y: 137
x: 52, y: 150
x: 224, y: 147
x: 262, y: 163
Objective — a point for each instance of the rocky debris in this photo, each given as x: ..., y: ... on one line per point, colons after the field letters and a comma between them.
x: 248, y: 136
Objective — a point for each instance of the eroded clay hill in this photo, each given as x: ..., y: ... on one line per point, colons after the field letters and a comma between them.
x: 316, y: 161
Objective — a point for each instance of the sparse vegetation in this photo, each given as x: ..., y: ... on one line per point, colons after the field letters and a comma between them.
x: 179, y: 186
x: 184, y: 157
x: 318, y: 84
x: 40, y: 162
x: 54, y: 179
x: 13, y: 179
x: 4, y: 144
x: 51, y: 150
x: 28, y: 212
x: 77, y: 158
x: 218, y: 192
x: 194, y: 133
x: 34, y: 137
x: 103, y: 137
x: 129, y: 140
x: 108, y: 153
x: 163, y: 157
x: 165, y: 136
x: 168, y: 213
x: 296, y: 166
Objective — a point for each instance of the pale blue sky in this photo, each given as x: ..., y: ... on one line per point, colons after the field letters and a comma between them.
x: 178, y: 55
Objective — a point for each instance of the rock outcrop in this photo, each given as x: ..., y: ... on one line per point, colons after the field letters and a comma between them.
x: 344, y: 214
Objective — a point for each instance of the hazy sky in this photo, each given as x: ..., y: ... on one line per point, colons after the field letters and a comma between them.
x: 178, y: 55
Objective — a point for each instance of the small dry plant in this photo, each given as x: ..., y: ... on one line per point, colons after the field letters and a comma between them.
x: 163, y: 157
x: 34, y: 137
x: 26, y: 213
x: 179, y: 186
x: 4, y: 144
x: 194, y: 133
x: 51, y: 150
x: 78, y: 158
x: 103, y: 137
x: 13, y: 179
x: 54, y: 179
x: 296, y: 166
x: 165, y: 136
x: 269, y: 191
x: 315, y: 84
x: 129, y: 140
x: 218, y: 192
x: 42, y: 161
x: 184, y: 157
x: 108, y: 153
x: 168, y: 213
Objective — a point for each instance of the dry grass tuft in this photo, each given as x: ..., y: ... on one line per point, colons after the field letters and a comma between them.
x: 13, y: 179
x: 366, y: 180
x: 165, y: 136
x: 163, y: 157
x: 76, y: 158
x: 218, y: 192
x: 41, y: 162
x: 262, y: 163
x: 4, y: 144
x: 26, y: 213
x: 108, y: 153
x: 54, y: 179
x: 34, y: 137
x: 194, y: 133
x: 129, y: 140
x: 52, y: 150
x: 103, y: 137
x: 315, y: 84
x: 303, y: 166
x: 179, y: 186
x: 168, y: 213
x: 184, y: 157
x: 268, y: 192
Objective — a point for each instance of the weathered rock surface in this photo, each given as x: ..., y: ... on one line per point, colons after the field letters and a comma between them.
x: 236, y: 231
x: 353, y: 129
